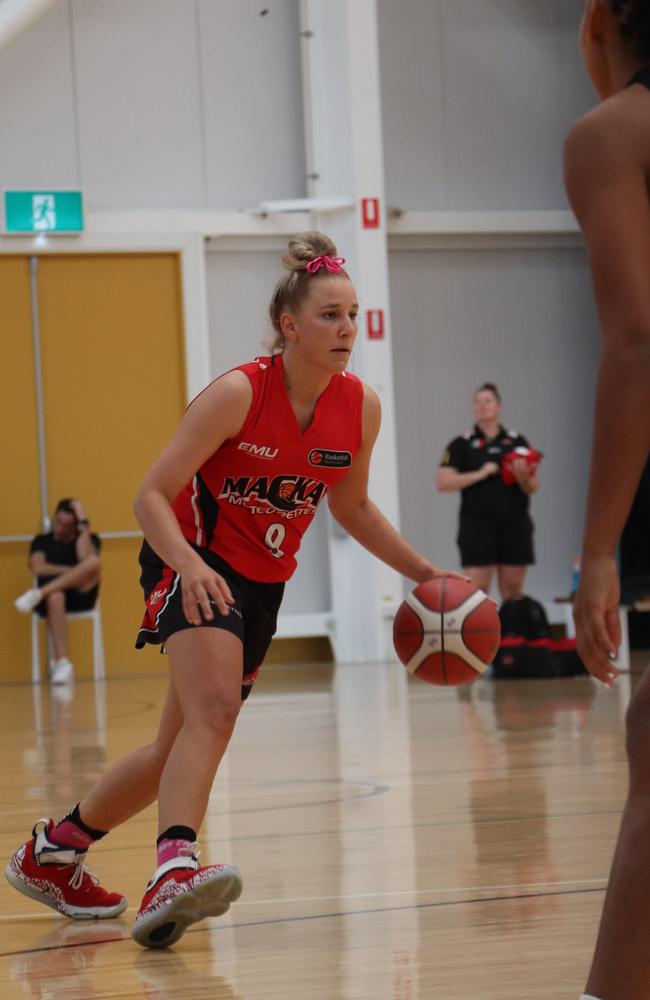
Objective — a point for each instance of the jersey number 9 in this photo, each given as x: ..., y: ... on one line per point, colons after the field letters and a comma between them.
x: 274, y: 538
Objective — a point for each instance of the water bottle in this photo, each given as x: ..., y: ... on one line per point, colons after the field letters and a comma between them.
x: 575, y: 575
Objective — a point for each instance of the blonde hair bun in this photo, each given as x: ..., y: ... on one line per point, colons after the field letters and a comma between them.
x: 304, y: 247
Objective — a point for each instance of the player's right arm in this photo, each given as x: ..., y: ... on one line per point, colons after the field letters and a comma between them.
x: 449, y: 476
x: 217, y: 414
x: 39, y: 566
x: 351, y: 506
x: 608, y: 189
x: 448, y: 479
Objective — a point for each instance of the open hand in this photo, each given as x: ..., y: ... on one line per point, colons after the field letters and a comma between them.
x: 202, y: 588
x: 595, y: 611
x: 432, y: 572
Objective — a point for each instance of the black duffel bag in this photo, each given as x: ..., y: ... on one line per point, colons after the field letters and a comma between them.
x: 525, y: 648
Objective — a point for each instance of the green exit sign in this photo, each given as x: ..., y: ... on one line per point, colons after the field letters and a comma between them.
x: 43, y: 212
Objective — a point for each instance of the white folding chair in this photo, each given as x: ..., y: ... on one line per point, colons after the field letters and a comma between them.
x: 95, y: 616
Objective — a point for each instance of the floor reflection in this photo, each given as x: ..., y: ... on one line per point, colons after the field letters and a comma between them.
x: 166, y: 976
x: 69, y: 749
x: 60, y: 963
x: 510, y: 732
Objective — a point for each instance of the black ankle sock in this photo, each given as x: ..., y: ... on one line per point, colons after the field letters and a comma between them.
x: 75, y: 818
x: 178, y: 833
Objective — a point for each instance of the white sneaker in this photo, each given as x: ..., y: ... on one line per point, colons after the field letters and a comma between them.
x: 61, y: 671
x: 28, y: 601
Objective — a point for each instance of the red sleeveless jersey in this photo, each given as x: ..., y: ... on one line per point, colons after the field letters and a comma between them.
x: 253, y: 499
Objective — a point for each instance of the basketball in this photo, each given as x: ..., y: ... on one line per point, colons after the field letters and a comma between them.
x: 446, y: 631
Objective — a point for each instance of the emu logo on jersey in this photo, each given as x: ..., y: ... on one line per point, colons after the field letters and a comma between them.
x: 259, y: 450
x: 288, y: 496
x: 330, y: 459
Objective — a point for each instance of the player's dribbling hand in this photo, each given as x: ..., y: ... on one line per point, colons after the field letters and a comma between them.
x: 435, y: 572
x: 431, y: 572
x: 202, y: 588
x: 595, y: 611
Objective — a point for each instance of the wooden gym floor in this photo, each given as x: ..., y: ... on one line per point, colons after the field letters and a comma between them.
x: 396, y: 841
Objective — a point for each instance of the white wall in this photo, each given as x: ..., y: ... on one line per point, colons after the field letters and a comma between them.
x: 477, y: 97
x: 525, y: 320
x: 156, y: 103
x: 239, y: 290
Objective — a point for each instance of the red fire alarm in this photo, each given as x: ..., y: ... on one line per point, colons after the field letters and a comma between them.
x: 370, y: 213
x: 375, y: 324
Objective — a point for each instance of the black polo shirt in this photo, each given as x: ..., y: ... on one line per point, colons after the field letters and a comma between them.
x: 60, y: 553
x: 490, y: 498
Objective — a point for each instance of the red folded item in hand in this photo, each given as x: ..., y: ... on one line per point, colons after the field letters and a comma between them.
x: 530, y: 456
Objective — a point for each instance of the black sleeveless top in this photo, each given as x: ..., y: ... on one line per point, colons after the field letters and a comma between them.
x: 642, y: 76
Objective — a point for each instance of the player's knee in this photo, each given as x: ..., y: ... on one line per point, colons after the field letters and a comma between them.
x: 55, y: 600
x: 225, y: 715
x: 219, y: 716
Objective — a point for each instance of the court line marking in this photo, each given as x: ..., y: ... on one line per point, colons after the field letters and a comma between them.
x: 299, y: 918
x: 426, y: 892
x: 277, y: 901
x: 397, y: 909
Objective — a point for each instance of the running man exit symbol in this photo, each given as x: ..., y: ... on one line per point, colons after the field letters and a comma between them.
x: 43, y: 211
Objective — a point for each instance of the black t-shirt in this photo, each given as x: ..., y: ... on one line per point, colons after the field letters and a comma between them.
x: 60, y: 553
x: 490, y: 498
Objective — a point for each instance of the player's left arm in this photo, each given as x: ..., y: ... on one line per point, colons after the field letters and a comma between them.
x: 350, y: 504
x: 607, y: 187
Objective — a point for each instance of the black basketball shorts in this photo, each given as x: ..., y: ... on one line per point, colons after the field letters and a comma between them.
x: 75, y: 600
x: 484, y: 542
x: 252, y: 618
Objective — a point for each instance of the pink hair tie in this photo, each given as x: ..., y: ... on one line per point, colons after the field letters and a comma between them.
x: 333, y: 264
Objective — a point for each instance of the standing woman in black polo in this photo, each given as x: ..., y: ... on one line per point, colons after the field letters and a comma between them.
x: 495, y: 529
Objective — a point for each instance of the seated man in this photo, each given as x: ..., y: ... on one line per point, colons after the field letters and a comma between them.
x: 65, y: 562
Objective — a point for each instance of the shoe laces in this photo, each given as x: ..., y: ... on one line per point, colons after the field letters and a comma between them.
x: 77, y: 878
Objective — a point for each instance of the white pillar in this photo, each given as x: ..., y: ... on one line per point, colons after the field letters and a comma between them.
x: 343, y: 143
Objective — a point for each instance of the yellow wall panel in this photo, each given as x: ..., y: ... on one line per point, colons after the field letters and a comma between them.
x: 15, y: 635
x: 114, y: 391
x: 113, y: 375
x: 19, y: 497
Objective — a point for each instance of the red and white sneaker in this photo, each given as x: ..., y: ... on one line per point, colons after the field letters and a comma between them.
x: 181, y: 893
x: 57, y: 876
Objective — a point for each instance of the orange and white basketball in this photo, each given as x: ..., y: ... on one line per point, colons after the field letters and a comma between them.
x: 446, y: 631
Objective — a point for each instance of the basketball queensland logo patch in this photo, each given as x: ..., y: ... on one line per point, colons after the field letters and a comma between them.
x: 330, y: 459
